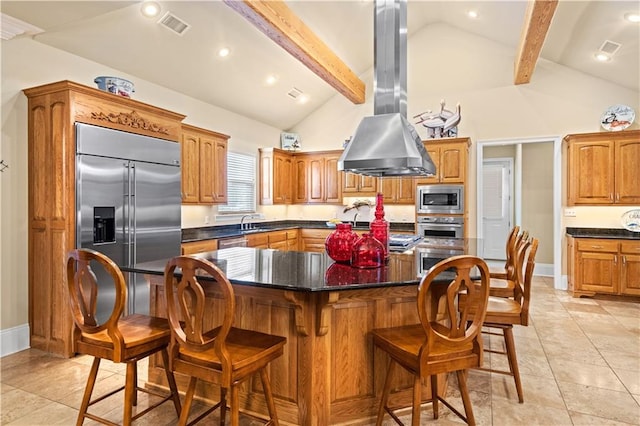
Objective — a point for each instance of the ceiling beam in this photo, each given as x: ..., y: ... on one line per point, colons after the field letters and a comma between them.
x: 537, y: 20
x: 281, y: 25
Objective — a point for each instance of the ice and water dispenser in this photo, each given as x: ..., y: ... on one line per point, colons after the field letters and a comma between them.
x: 104, y: 225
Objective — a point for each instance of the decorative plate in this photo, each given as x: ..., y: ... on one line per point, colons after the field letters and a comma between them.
x: 631, y: 220
x: 617, y: 117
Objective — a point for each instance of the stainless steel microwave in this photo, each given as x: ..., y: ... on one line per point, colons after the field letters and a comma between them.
x: 434, y: 199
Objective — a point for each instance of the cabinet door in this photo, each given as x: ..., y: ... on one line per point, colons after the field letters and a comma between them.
x: 282, y: 173
x: 333, y: 183
x: 199, y: 246
x: 316, y: 184
x: 350, y: 183
x: 368, y: 185
x: 207, y: 172
x: 630, y: 268
x: 189, y: 163
x: 405, y: 191
x: 387, y: 186
x: 598, y: 272
x: 453, y: 164
x: 627, y: 164
x: 258, y: 240
x: 220, y: 172
x: 301, y: 180
x: 591, y: 172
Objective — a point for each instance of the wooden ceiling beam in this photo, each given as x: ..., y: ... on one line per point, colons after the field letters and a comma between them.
x: 280, y: 24
x: 536, y: 24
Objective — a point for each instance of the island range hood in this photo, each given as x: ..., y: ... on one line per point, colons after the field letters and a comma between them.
x: 386, y: 144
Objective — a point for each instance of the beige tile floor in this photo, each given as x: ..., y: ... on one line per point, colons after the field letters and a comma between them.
x: 579, y: 360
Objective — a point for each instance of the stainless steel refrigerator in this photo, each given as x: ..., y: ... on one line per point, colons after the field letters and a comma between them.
x: 128, y: 205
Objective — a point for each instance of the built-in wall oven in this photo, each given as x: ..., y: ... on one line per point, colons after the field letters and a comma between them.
x: 440, y: 227
x: 440, y: 199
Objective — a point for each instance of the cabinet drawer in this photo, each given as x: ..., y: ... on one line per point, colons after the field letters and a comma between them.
x: 199, y: 246
x: 277, y: 237
x: 630, y: 247
x: 610, y: 246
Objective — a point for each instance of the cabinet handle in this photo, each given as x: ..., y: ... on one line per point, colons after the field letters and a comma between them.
x: 596, y: 247
x: 615, y: 259
x: 624, y: 260
x: 618, y: 196
x: 611, y: 196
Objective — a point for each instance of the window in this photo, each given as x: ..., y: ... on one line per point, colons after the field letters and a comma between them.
x: 241, y: 184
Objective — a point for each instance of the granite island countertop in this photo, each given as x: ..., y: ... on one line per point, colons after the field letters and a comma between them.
x: 229, y: 231
x: 612, y: 233
x: 305, y: 271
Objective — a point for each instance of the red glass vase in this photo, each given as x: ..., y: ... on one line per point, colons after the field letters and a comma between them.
x: 339, y: 244
x: 368, y: 252
x: 380, y: 227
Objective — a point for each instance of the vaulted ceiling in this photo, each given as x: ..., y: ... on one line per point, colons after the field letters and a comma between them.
x: 116, y: 34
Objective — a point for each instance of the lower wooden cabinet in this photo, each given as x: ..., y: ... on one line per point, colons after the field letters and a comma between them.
x: 199, y: 246
x: 313, y: 239
x: 606, y: 266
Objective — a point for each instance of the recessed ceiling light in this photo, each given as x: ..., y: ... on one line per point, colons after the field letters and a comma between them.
x: 602, y: 57
x: 271, y: 80
x: 632, y: 17
x: 303, y: 98
x: 150, y: 9
x: 224, y: 52
x: 472, y: 14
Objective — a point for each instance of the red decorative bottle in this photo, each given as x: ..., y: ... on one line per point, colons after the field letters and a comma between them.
x: 380, y: 227
x: 339, y: 244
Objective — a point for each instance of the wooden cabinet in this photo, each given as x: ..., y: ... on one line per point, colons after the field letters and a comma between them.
x: 607, y: 266
x: 316, y: 177
x: 450, y: 157
x: 276, y: 170
x: 398, y: 190
x: 630, y: 267
x: 603, y: 168
x: 204, y: 166
x: 313, y: 239
x: 194, y: 247
x: 285, y: 240
x: 52, y: 111
x: 258, y: 240
x: 354, y: 185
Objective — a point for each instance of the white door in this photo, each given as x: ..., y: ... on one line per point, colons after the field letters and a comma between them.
x: 496, y: 206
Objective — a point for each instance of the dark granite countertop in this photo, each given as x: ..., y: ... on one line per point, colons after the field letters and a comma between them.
x: 306, y: 271
x: 613, y: 233
x: 228, y: 231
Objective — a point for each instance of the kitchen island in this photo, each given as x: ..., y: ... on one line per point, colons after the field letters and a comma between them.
x: 329, y: 373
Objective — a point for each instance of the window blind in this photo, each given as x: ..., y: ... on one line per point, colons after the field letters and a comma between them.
x: 241, y: 184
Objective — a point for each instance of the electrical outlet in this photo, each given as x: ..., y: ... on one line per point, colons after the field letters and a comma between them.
x: 570, y: 212
x: 206, y: 220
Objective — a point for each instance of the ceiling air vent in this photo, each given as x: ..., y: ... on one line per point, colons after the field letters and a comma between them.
x: 294, y: 93
x: 610, y: 47
x: 173, y: 23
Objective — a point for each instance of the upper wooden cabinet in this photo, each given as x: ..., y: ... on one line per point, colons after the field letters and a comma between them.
x: 204, y: 166
x: 354, y: 185
x: 398, y: 190
x: 276, y: 170
x: 603, y: 168
x: 450, y: 157
x: 52, y: 111
x: 317, y: 179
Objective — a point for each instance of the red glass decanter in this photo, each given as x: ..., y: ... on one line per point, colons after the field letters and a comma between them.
x: 368, y: 252
x: 339, y: 244
x: 380, y: 227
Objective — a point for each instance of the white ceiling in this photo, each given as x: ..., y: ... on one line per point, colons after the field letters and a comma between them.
x: 116, y: 34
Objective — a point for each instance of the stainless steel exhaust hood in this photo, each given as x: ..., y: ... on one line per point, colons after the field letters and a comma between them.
x: 386, y: 144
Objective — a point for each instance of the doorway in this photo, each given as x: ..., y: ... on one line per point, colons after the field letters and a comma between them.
x: 552, y: 267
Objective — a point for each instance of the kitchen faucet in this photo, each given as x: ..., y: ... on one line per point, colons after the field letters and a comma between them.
x: 242, y: 224
x: 355, y: 217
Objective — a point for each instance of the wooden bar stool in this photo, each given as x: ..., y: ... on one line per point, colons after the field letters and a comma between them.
x: 503, y: 313
x: 220, y: 353
x: 119, y: 339
x: 447, y: 338
x: 502, y: 283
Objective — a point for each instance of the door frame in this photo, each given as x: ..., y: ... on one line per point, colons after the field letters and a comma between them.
x: 558, y: 283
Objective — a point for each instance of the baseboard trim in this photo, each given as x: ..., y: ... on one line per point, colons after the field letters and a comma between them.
x: 14, y: 339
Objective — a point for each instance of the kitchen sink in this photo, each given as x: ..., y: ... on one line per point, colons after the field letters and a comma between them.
x: 253, y: 230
